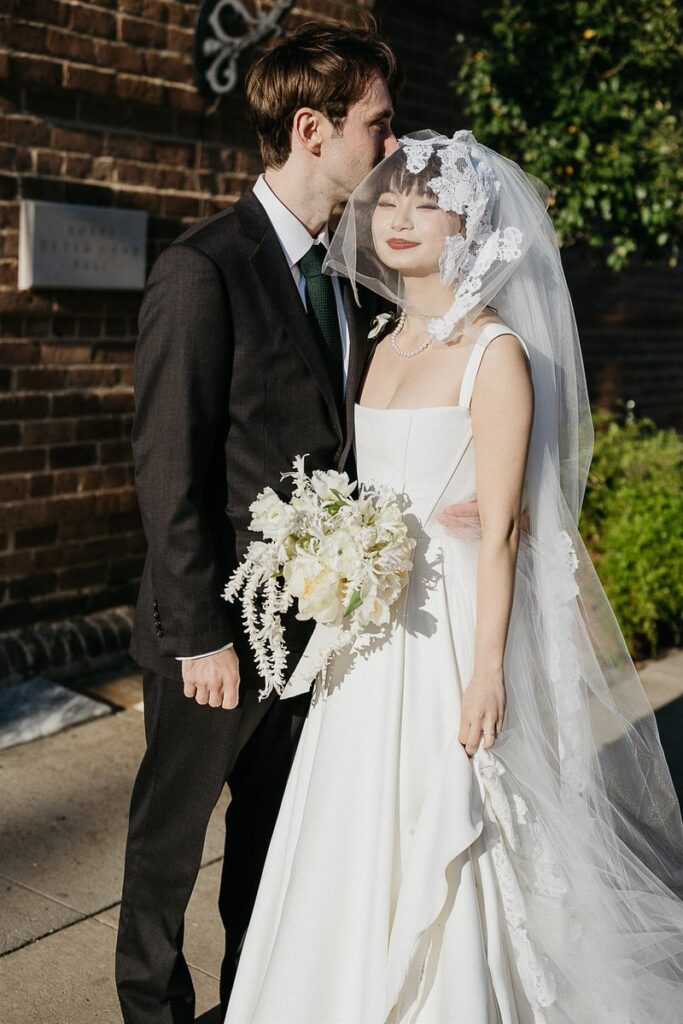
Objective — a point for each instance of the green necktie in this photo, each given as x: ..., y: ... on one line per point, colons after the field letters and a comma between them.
x: 322, y: 315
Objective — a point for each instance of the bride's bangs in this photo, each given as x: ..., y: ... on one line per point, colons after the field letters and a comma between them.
x: 393, y: 176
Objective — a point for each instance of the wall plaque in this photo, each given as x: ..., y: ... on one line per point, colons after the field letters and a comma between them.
x: 65, y: 245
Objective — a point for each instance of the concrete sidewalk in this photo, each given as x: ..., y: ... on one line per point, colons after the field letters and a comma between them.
x: 64, y: 818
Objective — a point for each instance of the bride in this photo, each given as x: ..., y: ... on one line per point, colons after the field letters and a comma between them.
x: 479, y: 826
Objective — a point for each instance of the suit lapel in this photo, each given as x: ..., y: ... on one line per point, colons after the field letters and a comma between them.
x: 270, y: 264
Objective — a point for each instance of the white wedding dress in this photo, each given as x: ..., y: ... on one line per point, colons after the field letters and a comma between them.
x: 380, y: 899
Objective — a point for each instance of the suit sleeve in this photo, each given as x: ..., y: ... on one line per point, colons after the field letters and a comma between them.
x: 181, y: 379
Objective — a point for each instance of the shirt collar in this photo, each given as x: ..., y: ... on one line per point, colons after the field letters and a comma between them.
x: 292, y: 235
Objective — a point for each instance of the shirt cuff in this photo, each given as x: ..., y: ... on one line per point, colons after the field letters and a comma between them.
x: 191, y: 657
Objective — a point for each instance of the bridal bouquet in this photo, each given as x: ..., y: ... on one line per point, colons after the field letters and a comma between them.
x: 345, y: 560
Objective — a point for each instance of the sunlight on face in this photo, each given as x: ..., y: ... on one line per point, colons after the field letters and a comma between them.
x: 409, y: 231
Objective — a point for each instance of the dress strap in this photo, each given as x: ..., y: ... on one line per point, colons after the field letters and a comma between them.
x: 486, y: 335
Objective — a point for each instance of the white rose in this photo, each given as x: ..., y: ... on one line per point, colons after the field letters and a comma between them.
x: 271, y: 516
x: 341, y: 551
x: 316, y: 588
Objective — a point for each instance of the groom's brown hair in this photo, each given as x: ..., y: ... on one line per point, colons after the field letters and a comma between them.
x: 325, y: 67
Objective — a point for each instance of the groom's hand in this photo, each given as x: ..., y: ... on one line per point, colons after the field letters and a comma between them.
x: 213, y: 680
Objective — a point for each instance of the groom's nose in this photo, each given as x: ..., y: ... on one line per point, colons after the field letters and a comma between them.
x: 390, y: 144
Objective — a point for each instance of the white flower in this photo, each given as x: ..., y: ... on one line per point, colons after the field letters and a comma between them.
x: 317, y: 589
x: 325, y: 483
x: 341, y: 551
x: 344, y: 560
x: 271, y: 516
x: 379, y: 323
x: 451, y: 257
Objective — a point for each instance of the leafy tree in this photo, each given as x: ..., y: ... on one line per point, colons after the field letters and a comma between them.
x: 584, y: 96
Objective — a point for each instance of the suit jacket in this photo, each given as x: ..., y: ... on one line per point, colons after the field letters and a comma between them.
x: 230, y: 384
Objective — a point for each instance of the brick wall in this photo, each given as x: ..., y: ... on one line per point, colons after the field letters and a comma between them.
x: 98, y: 106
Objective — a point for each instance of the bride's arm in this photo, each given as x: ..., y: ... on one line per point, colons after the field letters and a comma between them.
x: 502, y: 410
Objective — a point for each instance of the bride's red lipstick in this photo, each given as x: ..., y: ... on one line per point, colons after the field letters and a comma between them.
x: 401, y: 243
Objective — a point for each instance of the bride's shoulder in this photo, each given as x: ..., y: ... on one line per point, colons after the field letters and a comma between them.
x: 490, y: 330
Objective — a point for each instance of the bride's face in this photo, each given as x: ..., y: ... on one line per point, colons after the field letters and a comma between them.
x: 409, y: 232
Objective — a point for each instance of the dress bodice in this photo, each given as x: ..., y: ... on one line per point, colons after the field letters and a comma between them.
x: 425, y: 453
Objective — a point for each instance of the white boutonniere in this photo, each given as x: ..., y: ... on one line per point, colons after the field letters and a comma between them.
x: 381, y: 323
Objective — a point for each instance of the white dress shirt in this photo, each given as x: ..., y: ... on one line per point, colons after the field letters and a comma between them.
x: 295, y: 241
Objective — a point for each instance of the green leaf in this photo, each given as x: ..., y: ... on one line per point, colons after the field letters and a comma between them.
x: 355, y: 602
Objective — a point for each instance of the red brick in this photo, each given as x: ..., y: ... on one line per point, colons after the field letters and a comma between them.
x: 9, y: 243
x: 93, y: 22
x: 91, y: 527
x: 48, y: 162
x: 9, y: 215
x: 33, y: 585
x: 78, y: 141
x: 8, y: 272
x: 13, y: 488
x: 77, y: 165
x: 8, y: 158
x: 181, y: 206
x: 24, y: 407
x: 14, y: 353
x: 88, y: 79
x: 21, y: 36
x: 115, y: 452
x: 68, y: 482
x: 92, y: 377
x: 130, y: 147
x: 62, y: 353
x: 143, y: 33
x: 72, y: 455
x: 10, y: 434
x: 36, y: 537
x: 54, y: 12
x: 35, y: 70
x: 181, y: 13
x: 22, y: 460
x: 180, y: 40
x: 83, y: 576
x: 186, y: 100
x: 41, y: 378
x: 118, y: 55
x: 169, y: 66
x: 47, y: 431
x: 68, y: 44
x: 139, y: 90
x: 118, y: 401
x: 175, y: 153
x: 16, y: 563
x: 41, y: 485
x: 28, y: 131
x: 98, y: 428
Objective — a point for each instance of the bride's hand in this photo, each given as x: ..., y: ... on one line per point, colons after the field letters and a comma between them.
x: 482, y: 712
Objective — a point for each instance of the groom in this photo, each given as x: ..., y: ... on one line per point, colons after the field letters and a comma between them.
x: 247, y: 357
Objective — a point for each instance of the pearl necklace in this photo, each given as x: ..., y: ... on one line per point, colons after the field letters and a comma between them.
x: 406, y: 353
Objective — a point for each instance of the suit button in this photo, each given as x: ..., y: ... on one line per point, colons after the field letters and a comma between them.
x: 156, y: 606
x: 160, y: 633
x: 157, y: 617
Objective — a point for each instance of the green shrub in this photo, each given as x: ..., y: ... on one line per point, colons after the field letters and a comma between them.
x: 632, y: 523
x: 585, y: 94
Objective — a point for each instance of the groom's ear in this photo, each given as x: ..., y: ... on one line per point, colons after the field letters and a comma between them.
x: 308, y: 130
